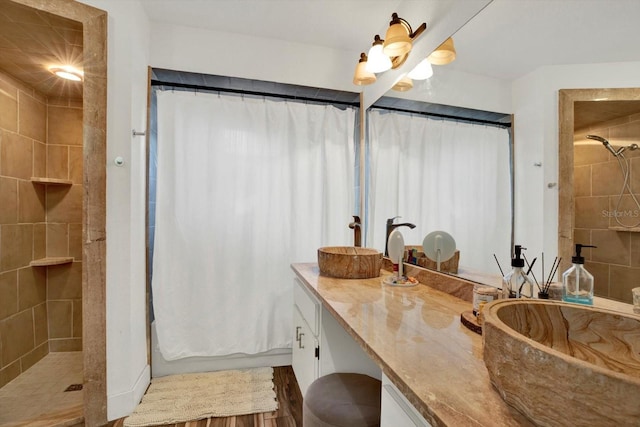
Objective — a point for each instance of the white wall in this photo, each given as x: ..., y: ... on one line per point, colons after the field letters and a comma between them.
x: 535, y: 104
x: 211, y: 52
x: 460, y: 89
x: 128, y: 51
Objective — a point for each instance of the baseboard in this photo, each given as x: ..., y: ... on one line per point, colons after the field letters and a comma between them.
x: 123, y: 404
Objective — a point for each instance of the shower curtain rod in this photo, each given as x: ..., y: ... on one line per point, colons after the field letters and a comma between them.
x: 445, y: 116
x: 325, y: 101
x: 253, y: 93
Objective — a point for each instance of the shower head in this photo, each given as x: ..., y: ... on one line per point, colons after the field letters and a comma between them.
x: 598, y: 138
x: 606, y: 144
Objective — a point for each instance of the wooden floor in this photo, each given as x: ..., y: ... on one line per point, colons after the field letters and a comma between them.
x: 288, y: 414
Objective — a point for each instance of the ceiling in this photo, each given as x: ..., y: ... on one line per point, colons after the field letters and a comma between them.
x: 506, y: 40
x: 31, y: 41
x: 589, y: 113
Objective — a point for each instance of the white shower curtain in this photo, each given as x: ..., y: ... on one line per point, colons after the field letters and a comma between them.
x: 245, y: 187
x: 441, y: 175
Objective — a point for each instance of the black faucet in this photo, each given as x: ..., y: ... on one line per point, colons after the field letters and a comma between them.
x: 390, y: 227
x: 356, y: 225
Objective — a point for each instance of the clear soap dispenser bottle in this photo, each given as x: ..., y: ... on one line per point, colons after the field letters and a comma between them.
x: 515, y: 283
x: 577, y: 282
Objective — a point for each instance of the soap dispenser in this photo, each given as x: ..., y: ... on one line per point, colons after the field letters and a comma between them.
x: 515, y: 283
x: 577, y: 282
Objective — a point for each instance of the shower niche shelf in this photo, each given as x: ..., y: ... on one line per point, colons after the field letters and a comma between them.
x: 51, y: 260
x: 50, y: 181
x: 619, y: 228
x: 45, y: 262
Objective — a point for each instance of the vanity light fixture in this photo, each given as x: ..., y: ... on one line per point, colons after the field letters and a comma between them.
x: 399, y: 38
x: 422, y: 71
x: 393, y: 51
x: 377, y: 61
x: 396, y: 48
x: 444, y: 54
x: 403, y: 85
x: 362, y: 76
x: 67, y: 72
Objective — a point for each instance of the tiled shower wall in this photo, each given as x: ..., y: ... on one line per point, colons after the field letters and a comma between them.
x: 615, y: 264
x: 64, y: 224
x: 40, y: 307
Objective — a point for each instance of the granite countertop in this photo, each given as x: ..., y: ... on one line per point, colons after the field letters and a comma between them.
x: 414, y: 334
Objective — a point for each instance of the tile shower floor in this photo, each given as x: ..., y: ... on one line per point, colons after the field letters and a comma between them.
x: 40, y: 390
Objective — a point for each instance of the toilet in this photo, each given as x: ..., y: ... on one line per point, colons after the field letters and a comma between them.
x: 342, y: 400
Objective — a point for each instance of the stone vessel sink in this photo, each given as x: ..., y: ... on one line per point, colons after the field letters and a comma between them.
x: 564, y: 364
x: 349, y: 262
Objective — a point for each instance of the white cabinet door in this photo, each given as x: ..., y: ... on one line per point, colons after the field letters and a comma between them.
x: 396, y: 409
x: 304, y: 353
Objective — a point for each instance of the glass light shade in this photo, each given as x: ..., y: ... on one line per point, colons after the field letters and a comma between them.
x: 422, y: 71
x: 397, y: 41
x: 377, y: 61
x: 363, y: 77
x: 403, y: 85
x: 67, y: 72
x: 444, y: 54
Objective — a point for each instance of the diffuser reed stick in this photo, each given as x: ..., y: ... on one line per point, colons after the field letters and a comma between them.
x: 543, y: 285
x: 552, y: 273
x: 497, y: 262
x: 530, y: 270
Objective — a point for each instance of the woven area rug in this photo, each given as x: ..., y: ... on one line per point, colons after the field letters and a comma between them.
x: 179, y: 398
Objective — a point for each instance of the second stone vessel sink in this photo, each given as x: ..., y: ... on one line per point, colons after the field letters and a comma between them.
x: 349, y: 262
x: 564, y: 364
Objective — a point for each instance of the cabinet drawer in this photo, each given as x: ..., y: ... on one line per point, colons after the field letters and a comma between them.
x: 308, y: 305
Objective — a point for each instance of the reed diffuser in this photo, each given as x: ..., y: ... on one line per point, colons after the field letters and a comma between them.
x: 544, y: 292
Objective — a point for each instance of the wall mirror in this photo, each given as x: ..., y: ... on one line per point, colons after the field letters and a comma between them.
x: 442, y: 168
x: 591, y: 179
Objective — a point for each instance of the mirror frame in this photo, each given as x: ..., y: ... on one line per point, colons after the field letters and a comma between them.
x: 566, y: 214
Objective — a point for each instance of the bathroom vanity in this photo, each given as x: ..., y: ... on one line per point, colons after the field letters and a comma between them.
x: 411, y: 338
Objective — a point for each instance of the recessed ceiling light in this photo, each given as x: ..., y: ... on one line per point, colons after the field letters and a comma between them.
x: 67, y: 72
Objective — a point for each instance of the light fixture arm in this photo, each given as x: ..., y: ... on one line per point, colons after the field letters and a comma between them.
x: 395, y: 19
x: 421, y: 29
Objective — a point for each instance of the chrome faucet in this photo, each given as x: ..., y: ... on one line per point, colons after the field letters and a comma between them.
x: 356, y: 225
x: 390, y: 227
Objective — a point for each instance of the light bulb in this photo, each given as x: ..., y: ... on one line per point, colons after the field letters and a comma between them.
x: 422, y: 71
x: 377, y: 61
x: 67, y: 72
